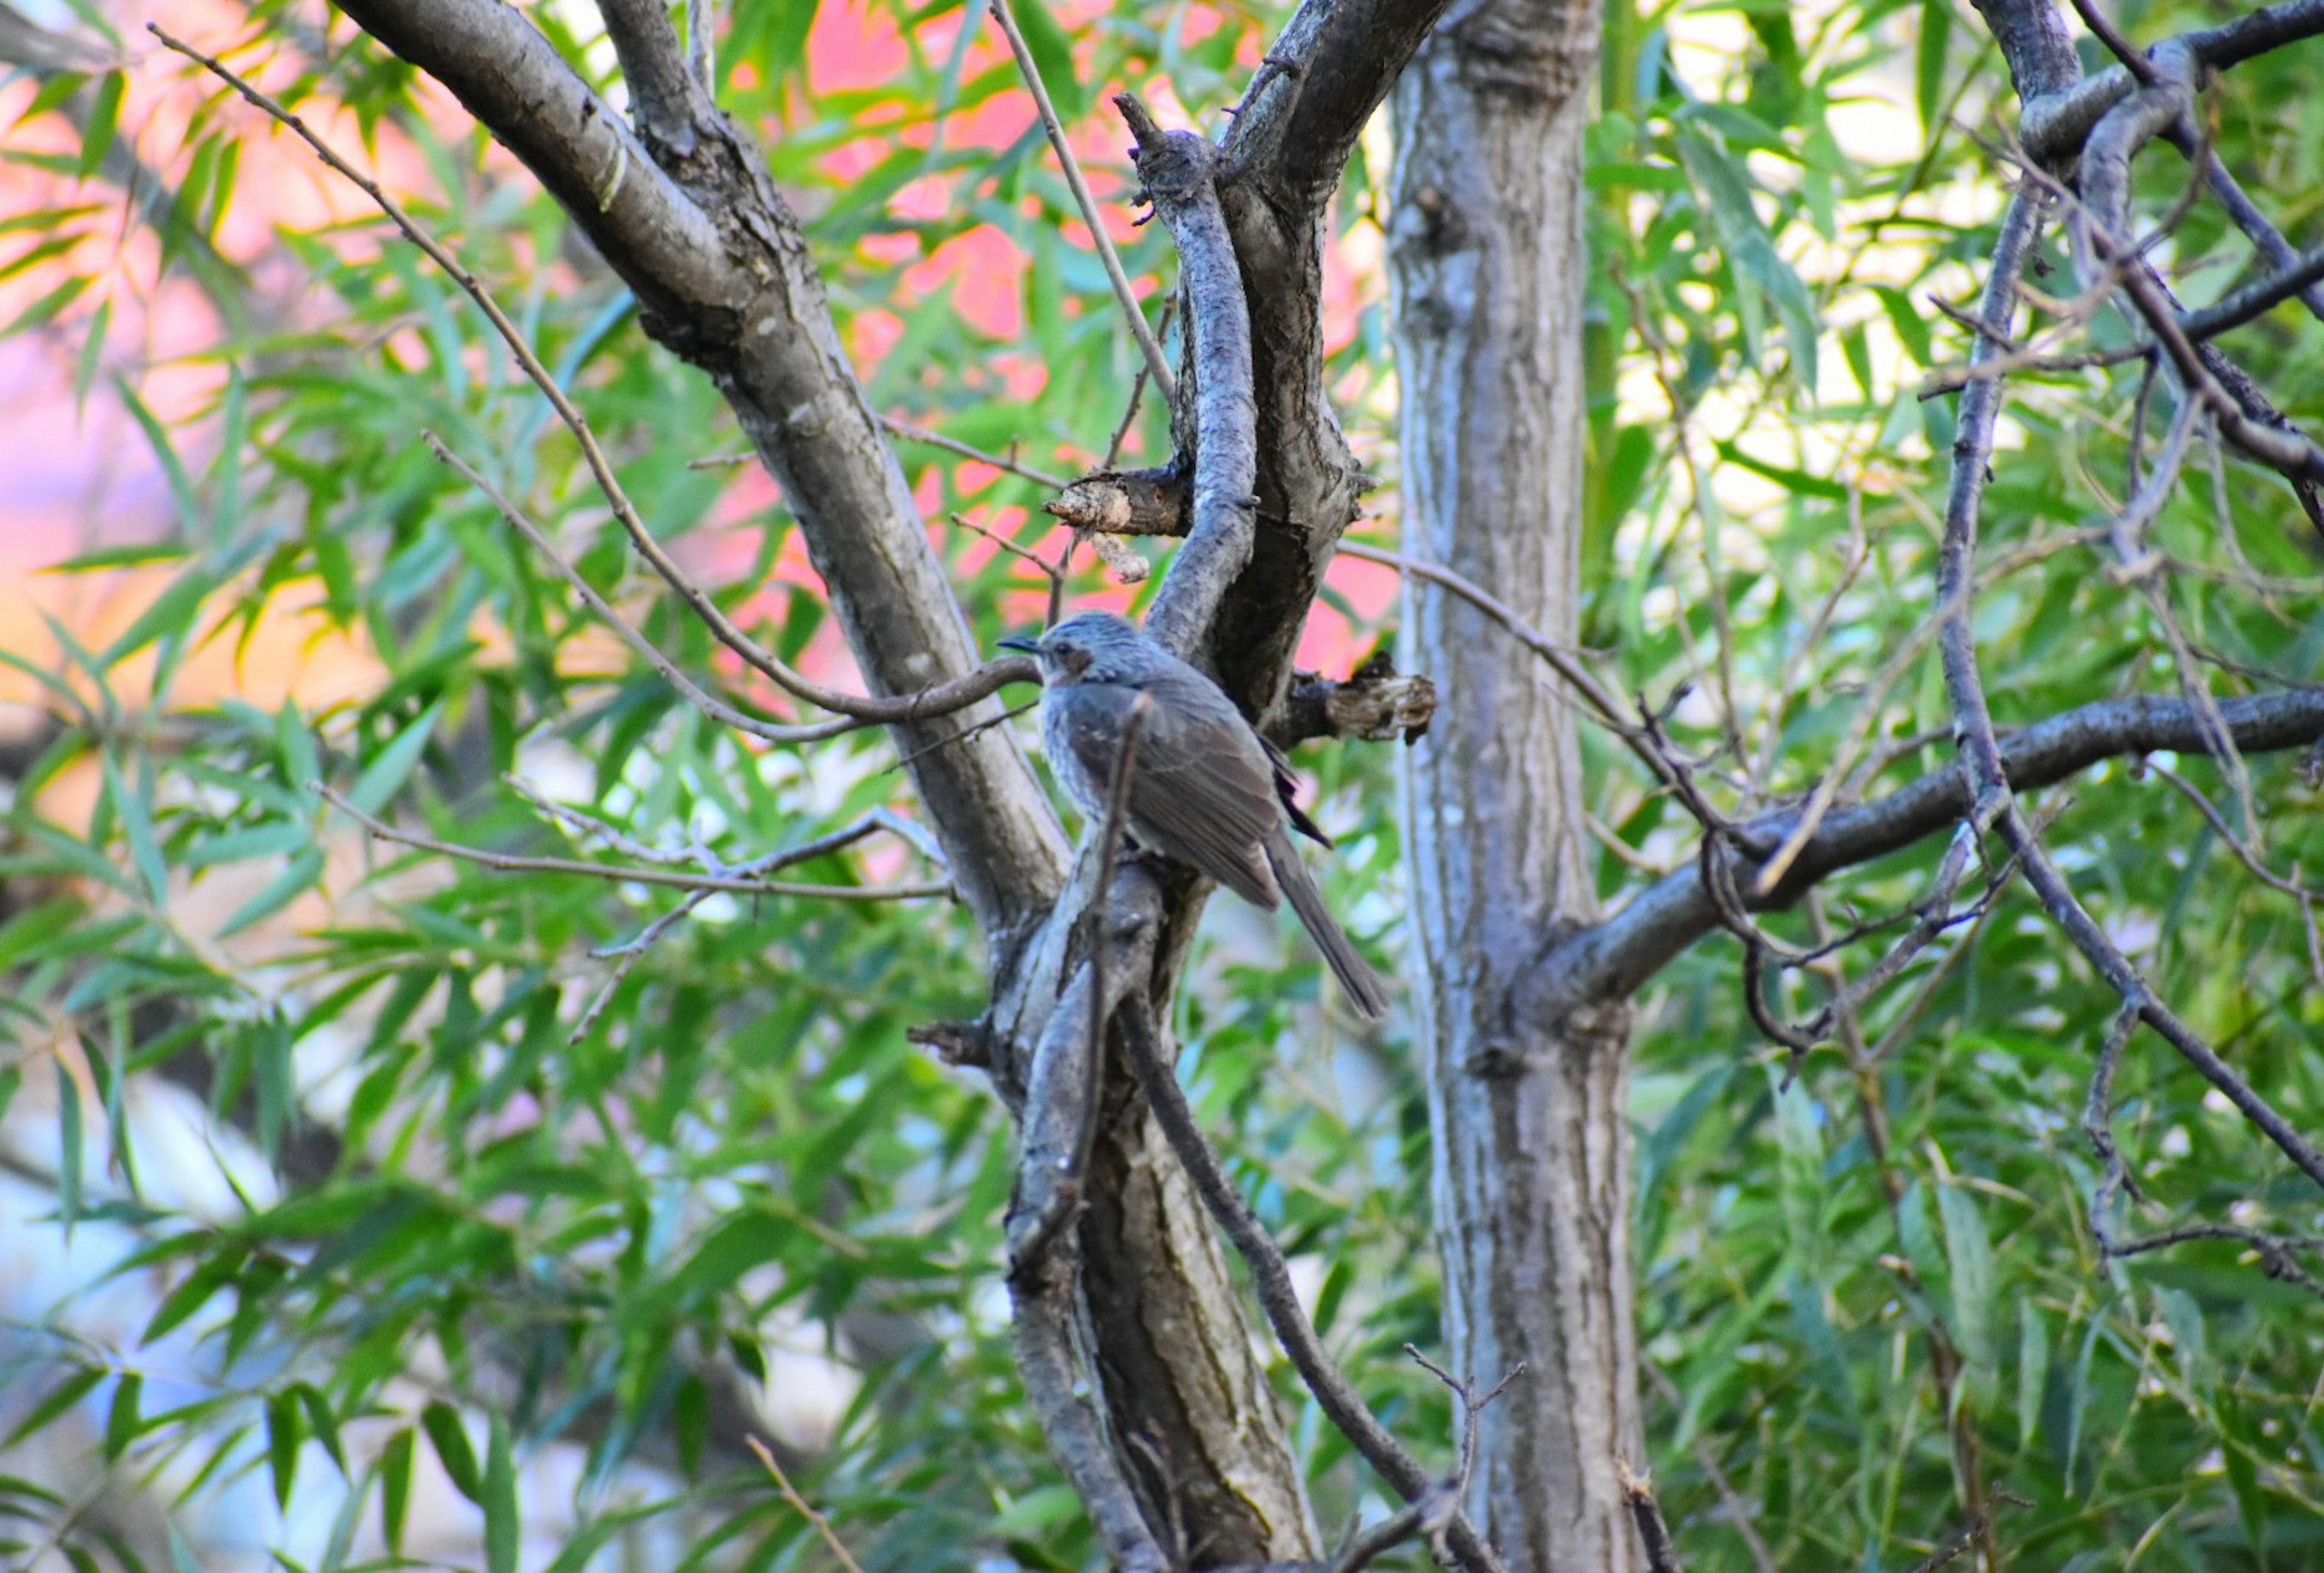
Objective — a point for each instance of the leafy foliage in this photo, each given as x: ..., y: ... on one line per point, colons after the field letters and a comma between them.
x: 485, y: 1219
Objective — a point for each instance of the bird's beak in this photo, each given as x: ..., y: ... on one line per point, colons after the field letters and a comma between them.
x: 1015, y: 642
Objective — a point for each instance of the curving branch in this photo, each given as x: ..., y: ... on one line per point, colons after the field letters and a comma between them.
x: 1618, y: 956
x: 1334, y: 1393
x: 1178, y: 172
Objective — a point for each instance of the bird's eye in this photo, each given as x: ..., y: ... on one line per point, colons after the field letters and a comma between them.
x: 1073, y: 658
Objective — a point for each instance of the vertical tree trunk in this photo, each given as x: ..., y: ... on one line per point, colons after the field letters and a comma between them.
x: 1531, y: 1152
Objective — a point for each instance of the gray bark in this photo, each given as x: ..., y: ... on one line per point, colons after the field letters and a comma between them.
x: 1532, y: 1151
x: 680, y: 207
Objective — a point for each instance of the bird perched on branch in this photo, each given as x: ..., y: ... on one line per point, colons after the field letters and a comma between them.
x: 1204, y: 788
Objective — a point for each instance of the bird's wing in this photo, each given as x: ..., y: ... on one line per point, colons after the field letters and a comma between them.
x: 1201, y: 791
x: 1287, y: 789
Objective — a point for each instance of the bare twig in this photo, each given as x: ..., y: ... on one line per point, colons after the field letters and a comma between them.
x: 953, y: 445
x: 1271, y: 1277
x: 1137, y: 391
x: 1978, y: 1530
x: 805, y: 1510
x: 1983, y: 768
x: 957, y: 694
x: 2254, y: 299
x: 701, y: 699
x: 1654, y: 1534
x: 1158, y: 365
x: 508, y: 863
x: 1738, y: 1515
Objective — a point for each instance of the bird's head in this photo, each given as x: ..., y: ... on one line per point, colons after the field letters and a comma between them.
x: 1086, y: 647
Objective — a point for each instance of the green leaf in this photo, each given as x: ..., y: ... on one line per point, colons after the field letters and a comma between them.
x: 321, y: 1423
x: 61, y: 1398
x: 70, y: 1159
x: 91, y: 359
x: 503, y: 1531
x: 298, y: 876
x: 394, y: 1488
x: 1969, y: 1256
x: 157, y: 436
x: 282, y: 1440
x: 134, y: 554
x: 209, y: 1275
x: 270, y: 840
x: 104, y: 121
x: 122, y: 1422
x: 35, y: 928
x: 1042, y: 1508
x: 382, y: 777
x: 1053, y: 57
x: 2032, y: 1368
x: 1935, y: 34
x: 48, y: 308
x: 1800, y: 1143
x: 137, y: 824
x: 450, y: 1440
x: 173, y: 612
x: 690, y: 1420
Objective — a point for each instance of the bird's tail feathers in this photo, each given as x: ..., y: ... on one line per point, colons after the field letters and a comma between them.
x: 1365, y: 988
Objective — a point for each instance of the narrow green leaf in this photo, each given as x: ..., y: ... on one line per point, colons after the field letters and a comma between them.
x: 49, y: 307
x: 2032, y: 1368
x: 394, y: 1488
x: 321, y: 1423
x: 503, y: 1531
x: 121, y: 1423
x: 1053, y: 57
x: 1936, y: 32
x: 157, y: 436
x: 270, y: 840
x: 210, y: 1275
x: 69, y: 1157
x: 282, y: 1440
x: 137, y: 825
x: 690, y: 1419
x: 298, y: 876
x: 1969, y: 1254
x: 270, y: 1043
x: 294, y: 744
x: 385, y: 773
x: 225, y: 471
x: 62, y: 1397
x: 1799, y: 1147
x: 130, y: 556
x: 104, y: 121
x: 1797, y: 482
x: 172, y: 612
x: 453, y: 1451
x: 33, y: 929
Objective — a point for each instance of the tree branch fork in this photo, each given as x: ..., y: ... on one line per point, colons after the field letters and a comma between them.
x: 1063, y: 1017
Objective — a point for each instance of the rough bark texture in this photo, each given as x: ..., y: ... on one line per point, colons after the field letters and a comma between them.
x: 724, y: 279
x: 1532, y: 1151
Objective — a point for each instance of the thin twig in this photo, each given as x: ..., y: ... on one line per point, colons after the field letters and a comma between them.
x: 1654, y: 1534
x: 807, y: 1511
x: 1137, y: 392
x: 1271, y: 1277
x: 701, y: 699
x: 956, y: 694
x: 953, y: 445
x: 508, y: 863
x: 1158, y: 365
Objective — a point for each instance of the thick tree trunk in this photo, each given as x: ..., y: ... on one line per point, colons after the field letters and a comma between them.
x: 1532, y: 1152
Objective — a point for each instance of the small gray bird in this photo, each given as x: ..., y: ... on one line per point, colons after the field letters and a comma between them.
x: 1204, y: 788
